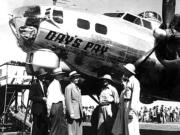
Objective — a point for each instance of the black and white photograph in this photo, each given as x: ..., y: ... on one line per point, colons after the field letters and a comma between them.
x: 90, y: 67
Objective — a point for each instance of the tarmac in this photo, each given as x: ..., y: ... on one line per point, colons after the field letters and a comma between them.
x: 145, y: 129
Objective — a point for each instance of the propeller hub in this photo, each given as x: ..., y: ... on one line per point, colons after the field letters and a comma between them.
x: 159, y: 33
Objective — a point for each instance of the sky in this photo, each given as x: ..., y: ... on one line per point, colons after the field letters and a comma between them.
x: 9, y: 49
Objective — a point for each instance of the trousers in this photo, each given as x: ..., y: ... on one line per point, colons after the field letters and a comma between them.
x: 58, y: 124
x: 74, y: 126
x: 40, y: 124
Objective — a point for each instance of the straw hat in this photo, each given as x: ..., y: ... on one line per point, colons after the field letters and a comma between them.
x: 107, y: 77
x: 73, y: 74
x: 130, y: 67
x: 57, y: 71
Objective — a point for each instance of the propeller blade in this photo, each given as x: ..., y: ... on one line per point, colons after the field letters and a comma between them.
x: 141, y: 60
x: 168, y: 11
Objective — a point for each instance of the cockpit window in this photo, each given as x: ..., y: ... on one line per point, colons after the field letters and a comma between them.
x: 133, y: 19
x: 151, y: 15
x: 147, y: 24
x: 58, y: 16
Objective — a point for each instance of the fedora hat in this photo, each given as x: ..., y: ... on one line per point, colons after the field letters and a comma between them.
x: 41, y: 74
x: 73, y: 74
x: 130, y: 67
x: 57, y: 71
x: 107, y: 77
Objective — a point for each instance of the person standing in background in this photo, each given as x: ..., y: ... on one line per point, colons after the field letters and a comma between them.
x: 56, y: 105
x: 73, y: 103
x: 126, y: 122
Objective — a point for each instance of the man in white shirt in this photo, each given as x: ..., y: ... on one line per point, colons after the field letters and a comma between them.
x: 108, y: 100
x: 56, y: 105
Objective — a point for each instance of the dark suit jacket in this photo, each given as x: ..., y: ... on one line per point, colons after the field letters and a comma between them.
x: 73, y: 101
x: 36, y: 95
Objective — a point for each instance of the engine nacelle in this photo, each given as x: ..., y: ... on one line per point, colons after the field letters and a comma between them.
x: 42, y: 59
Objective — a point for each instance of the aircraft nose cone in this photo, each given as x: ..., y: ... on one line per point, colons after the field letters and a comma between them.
x: 13, y: 26
x: 25, y: 33
x: 24, y: 23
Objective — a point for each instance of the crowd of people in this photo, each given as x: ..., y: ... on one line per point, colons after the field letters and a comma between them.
x: 57, y: 105
x: 156, y: 114
x: 159, y: 114
x: 87, y: 111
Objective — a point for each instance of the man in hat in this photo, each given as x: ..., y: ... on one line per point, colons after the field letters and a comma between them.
x: 56, y: 104
x: 74, y: 105
x: 126, y: 122
x: 108, y: 98
x: 38, y: 96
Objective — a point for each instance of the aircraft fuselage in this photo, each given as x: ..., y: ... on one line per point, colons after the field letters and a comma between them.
x: 85, y: 41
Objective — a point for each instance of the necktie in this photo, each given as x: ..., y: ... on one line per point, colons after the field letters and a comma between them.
x: 45, y: 89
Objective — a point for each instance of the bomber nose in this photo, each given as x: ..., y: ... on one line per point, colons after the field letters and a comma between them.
x: 21, y: 30
x: 12, y: 25
x: 16, y: 19
x: 15, y: 23
x: 24, y: 23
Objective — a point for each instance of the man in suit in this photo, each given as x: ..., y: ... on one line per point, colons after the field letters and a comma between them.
x: 38, y: 96
x: 74, y: 105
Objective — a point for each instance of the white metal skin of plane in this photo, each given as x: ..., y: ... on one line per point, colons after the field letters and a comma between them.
x: 90, y: 43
